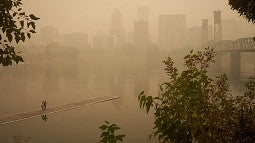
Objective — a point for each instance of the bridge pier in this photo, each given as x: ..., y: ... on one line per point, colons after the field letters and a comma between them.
x: 216, y: 68
x: 235, y: 65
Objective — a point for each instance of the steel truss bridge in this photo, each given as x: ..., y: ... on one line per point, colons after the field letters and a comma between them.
x: 240, y: 45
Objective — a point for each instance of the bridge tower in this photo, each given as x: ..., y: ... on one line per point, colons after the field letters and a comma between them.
x: 204, y: 34
x: 217, y: 26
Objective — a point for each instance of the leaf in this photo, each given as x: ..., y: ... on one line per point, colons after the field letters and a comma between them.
x: 33, y: 17
x: 9, y: 36
x: 33, y: 25
x: 17, y: 38
x: 142, y: 100
x: 29, y: 35
x: 32, y: 31
x: 22, y: 24
x: 103, y: 127
x: 149, y: 103
x: 14, y: 14
x: 23, y: 37
x: 19, y: 58
x: 139, y: 96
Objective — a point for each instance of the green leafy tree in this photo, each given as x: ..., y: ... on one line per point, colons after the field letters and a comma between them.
x: 15, y: 26
x: 193, y: 107
x: 245, y: 8
x: 108, y: 133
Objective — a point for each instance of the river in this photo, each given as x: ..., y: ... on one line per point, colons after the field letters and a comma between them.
x: 70, y: 78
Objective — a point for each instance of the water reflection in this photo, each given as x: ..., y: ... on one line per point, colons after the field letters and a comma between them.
x: 44, y: 118
x: 21, y: 139
x: 117, y: 83
x: 92, y: 74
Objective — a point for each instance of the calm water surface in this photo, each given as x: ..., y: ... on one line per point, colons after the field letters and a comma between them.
x: 65, y: 80
x: 61, y: 81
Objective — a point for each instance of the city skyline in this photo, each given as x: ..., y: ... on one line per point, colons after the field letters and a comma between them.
x: 90, y: 19
x: 140, y: 35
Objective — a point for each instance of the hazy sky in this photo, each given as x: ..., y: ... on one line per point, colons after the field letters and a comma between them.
x: 89, y: 16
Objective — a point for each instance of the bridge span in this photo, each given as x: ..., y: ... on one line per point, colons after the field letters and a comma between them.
x: 234, y: 48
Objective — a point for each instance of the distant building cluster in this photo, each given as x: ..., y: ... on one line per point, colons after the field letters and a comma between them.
x: 141, y: 27
x: 78, y: 40
x: 172, y: 32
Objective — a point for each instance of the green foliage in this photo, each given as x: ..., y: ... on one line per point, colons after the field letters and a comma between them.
x: 192, y: 107
x: 245, y: 8
x: 15, y: 26
x: 108, y: 133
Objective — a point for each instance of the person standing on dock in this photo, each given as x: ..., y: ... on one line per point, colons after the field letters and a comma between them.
x: 44, y: 105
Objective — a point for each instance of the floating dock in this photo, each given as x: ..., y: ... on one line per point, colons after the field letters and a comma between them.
x: 52, y: 110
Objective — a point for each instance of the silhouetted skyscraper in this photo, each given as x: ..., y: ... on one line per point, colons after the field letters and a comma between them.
x: 141, y: 26
x: 194, y: 36
x: 117, y: 29
x: 143, y: 13
x: 205, y: 31
x: 141, y: 33
x: 217, y: 26
x: 171, y: 31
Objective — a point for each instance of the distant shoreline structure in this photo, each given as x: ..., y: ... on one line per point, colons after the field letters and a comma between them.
x: 52, y: 110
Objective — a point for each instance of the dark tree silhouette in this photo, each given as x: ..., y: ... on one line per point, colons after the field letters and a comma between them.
x: 194, y: 107
x: 15, y: 26
x: 245, y: 8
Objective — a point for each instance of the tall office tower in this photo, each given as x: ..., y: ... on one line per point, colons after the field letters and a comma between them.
x: 231, y: 29
x: 141, y: 33
x: 217, y: 26
x: 194, y: 37
x: 141, y: 26
x: 143, y: 13
x: 116, y: 28
x: 171, y: 31
x: 205, y: 31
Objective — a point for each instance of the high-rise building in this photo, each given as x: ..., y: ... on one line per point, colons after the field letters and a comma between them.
x: 141, y: 33
x: 141, y: 27
x: 231, y: 29
x: 103, y: 42
x: 143, y: 13
x: 217, y: 26
x: 117, y: 28
x: 204, y: 33
x: 77, y: 40
x: 171, y: 31
x: 194, y: 36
